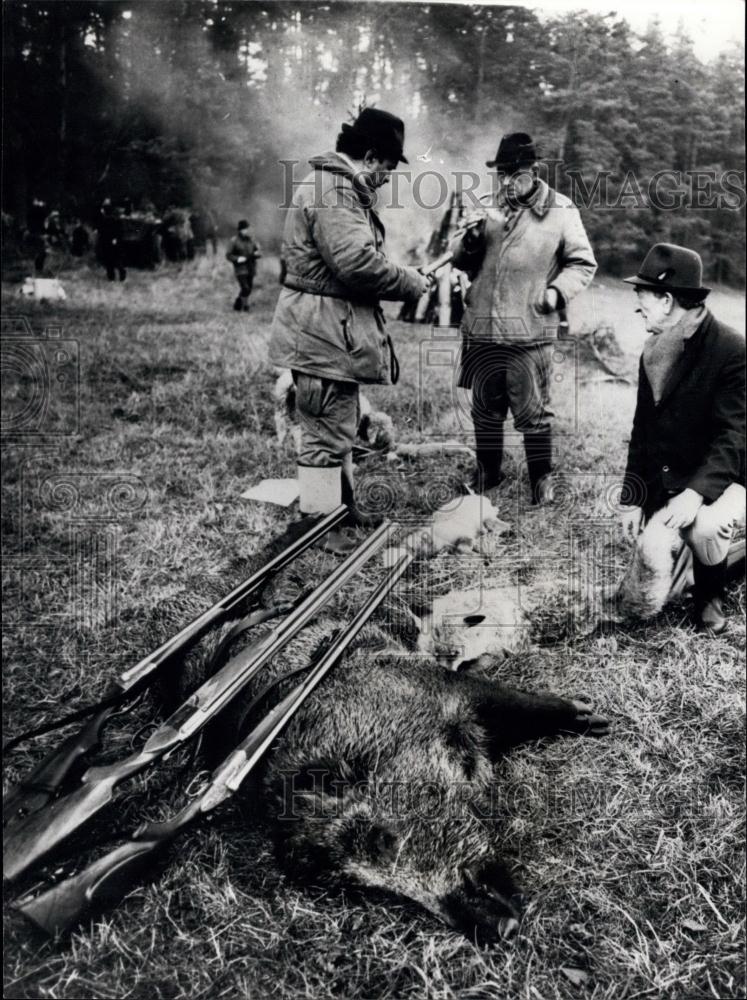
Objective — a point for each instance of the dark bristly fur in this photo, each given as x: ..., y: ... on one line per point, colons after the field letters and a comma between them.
x: 385, y: 778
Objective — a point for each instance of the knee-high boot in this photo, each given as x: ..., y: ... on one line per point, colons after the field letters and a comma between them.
x: 320, y: 492
x: 355, y: 518
x: 489, y: 454
x: 708, y: 591
x: 538, y: 450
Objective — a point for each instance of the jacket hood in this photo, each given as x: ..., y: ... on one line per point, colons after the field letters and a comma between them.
x: 333, y: 163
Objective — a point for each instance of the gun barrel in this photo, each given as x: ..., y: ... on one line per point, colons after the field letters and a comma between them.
x: 32, y: 838
x: 104, y: 883
x: 39, y: 786
x: 199, y: 626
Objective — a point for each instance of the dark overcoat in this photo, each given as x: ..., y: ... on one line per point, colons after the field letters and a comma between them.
x: 693, y: 438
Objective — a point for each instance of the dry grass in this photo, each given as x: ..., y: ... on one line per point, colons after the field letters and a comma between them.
x: 624, y: 848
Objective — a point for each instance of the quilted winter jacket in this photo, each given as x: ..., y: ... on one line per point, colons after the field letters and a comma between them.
x: 327, y: 320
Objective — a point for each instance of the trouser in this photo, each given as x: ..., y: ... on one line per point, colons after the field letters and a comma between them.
x: 114, y: 266
x: 328, y: 413
x: 246, y: 281
x: 506, y: 377
x: 668, y: 561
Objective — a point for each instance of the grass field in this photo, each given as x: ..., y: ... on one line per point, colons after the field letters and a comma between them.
x: 630, y: 850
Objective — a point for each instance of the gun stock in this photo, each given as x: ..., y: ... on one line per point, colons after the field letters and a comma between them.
x: 32, y: 838
x: 103, y: 884
x: 40, y: 786
x: 106, y: 881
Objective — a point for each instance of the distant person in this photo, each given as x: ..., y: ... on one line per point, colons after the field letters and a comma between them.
x: 328, y: 326
x: 528, y: 257
x: 55, y: 232
x: 80, y: 239
x: 243, y: 252
x: 686, y: 459
x: 35, y: 234
x: 111, y: 248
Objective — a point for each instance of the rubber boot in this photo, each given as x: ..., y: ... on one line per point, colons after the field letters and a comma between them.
x: 708, y: 591
x: 735, y: 562
x: 538, y: 450
x: 238, y: 306
x: 354, y: 519
x: 489, y: 454
x: 319, y: 493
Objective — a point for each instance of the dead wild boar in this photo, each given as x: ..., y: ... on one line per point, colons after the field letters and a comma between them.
x: 383, y: 779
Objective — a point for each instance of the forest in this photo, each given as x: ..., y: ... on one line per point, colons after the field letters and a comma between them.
x: 197, y: 101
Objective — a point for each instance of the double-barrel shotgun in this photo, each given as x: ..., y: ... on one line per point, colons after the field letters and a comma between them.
x: 104, y: 882
x: 38, y: 787
x: 31, y: 838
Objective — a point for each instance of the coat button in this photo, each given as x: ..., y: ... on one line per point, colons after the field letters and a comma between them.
x: 665, y: 468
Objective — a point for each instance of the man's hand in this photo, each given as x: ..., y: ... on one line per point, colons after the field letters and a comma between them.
x: 551, y: 299
x: 428, y: 279
x: 681, y: 510
x: 473, y: 218
x: 630, y: 522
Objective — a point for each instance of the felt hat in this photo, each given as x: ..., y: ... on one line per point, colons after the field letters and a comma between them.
x: 515, y: 150
x: 670, y: 268
x: 385, y: 132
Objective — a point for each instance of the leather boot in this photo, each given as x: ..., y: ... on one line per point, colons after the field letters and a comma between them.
x: 538, y: 450
x: 319, y: 493
x: 354, y: 519
x: 735, y: 562
x: 708, y: 591
x: 489, y: 454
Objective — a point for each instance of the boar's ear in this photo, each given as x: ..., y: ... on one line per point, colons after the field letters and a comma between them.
x: 382, y: 842
x: 363, y: 837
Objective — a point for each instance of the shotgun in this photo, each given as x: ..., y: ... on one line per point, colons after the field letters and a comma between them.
x: 37, y: 835
x: 42, y: 783
x: 446, y: 257
x: 108, y: 879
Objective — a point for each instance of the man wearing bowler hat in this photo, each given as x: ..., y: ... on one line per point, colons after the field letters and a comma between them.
x: 328, y: 326
x: 686, y: 456
x: 528, y: 256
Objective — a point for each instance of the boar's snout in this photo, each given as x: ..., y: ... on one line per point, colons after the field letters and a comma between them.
x: 485, y: 906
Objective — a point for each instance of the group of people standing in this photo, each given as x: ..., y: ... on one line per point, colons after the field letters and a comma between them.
x: 527, y: 255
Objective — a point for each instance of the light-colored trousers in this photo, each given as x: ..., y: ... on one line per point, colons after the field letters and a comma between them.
x: 661, y: 568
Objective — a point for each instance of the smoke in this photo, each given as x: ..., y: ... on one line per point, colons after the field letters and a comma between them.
x: 231, y: 117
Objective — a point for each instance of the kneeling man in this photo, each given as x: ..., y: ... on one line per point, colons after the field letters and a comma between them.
x: 686, y: 454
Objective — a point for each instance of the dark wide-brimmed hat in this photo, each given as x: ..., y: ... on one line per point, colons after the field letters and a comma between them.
x: 669, y: 268
x: 243, y: 224
x: 384, y: 131
x: 515, y: 150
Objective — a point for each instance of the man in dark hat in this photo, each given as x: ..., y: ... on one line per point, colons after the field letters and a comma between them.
x: 328, y: 326
x: 244, y: 252
x: 528, y: 256
x: 685, y: 466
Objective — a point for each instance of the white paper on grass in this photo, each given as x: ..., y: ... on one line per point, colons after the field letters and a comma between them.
x: 278, y: 491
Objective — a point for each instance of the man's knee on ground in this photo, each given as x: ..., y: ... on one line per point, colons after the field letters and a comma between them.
x: 709, y: 535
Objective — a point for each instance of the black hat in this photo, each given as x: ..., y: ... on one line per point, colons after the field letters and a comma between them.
x: 386, y: 132
x: 669, y: 268
x: 514, y: 150
x: 243, y: 224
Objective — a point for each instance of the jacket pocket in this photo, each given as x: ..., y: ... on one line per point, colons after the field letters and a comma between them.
x: 309, y: 394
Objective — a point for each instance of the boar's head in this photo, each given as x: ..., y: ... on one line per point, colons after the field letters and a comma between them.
x: 424, y: 840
